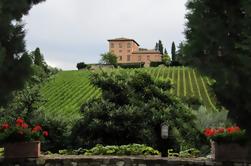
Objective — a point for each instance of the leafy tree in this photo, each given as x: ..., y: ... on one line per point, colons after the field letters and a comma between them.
x: 26, y: 104
x: 173, y: 52
x: 81, y: 65
x: 218, y: 42
x: 14, y: 62
x: 109, y: 58
x: 166, y: 59
x: 131, y: 110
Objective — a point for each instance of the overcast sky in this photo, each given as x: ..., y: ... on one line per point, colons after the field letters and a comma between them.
x: 71, y: 31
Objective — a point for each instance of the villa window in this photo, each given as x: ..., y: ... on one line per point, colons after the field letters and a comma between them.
x: 120, y: 58
x: 139, y: 58
x: 120, y: 51
x: 148, y: 57
x: 112, y: 45
x: 120, y: 45
x: 128, y: 58
x: 128, y: 51
x: 128, y: 45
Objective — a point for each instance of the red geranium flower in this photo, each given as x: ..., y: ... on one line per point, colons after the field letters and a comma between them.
x: 209, y: 132
x: 45, y: 133
x: 24, y: 126
x: 5, y: 125
x: 220, y: 130
x: 233, y: 129
x: 37, y: 128
x: 19, y: 121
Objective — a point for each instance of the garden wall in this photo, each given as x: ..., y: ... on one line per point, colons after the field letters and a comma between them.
x: 113, y: 161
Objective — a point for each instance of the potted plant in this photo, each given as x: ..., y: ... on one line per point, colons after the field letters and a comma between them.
x: 228, y: 144
x: 21, y: 140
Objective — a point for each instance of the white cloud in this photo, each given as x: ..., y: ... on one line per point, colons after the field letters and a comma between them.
x: 71, y: 30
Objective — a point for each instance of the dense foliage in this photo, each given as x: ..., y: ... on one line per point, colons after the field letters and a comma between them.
x: 81, y: 65
x: 155, y: 64
x: 27, y: 102
x: 109, y: 58
x: 166, y: 60
x: 131, y: 65
x: 15, y: 64
x: 129, y: 150
x: 68, y: 90
x: 131, y: 110
x: 211, y: 119
x: 218, y: 42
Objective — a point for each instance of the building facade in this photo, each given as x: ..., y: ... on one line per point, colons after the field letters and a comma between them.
x: 128, y: 51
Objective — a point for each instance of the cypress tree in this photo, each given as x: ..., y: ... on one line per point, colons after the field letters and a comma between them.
x: 161, y: 48
x: 173, y: 52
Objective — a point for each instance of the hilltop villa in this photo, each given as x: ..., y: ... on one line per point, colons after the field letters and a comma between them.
x: 128, y: 51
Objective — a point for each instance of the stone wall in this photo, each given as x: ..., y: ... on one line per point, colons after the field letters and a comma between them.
x: 113, y: 161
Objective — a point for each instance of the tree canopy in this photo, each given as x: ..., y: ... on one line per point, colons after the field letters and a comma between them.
x: 14, y: 62
x: 131, y: 109
x: 109, y: 58
x: 218, y: 43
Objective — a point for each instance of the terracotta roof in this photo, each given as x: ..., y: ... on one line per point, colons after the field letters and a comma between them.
x: 123, y: 39
x: 146, y: 52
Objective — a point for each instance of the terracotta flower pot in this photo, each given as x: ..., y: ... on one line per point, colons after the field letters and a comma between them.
x: 229, y: 151
x: 22, y: 150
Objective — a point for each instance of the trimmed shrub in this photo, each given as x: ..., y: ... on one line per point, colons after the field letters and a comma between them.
x: 81, y: 65
x: 156, y: 64
x: 131, y: 65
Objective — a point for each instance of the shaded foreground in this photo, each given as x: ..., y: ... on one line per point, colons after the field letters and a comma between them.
x: 114, y: 161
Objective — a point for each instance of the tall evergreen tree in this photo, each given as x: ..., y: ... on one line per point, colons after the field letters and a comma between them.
x: 165, y: 52
x: 173, y: 51
x: 218, y: 42
x: 14, y: 63
x: 180, y: 55
x: 38, y: 58
x: 161, y: 48
x: 157, y: 47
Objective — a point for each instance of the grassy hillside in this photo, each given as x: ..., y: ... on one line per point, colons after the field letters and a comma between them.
x: 67, y: 91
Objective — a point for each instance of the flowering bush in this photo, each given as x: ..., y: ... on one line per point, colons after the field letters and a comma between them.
x: 20, y: 131
x: 226, y: 135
